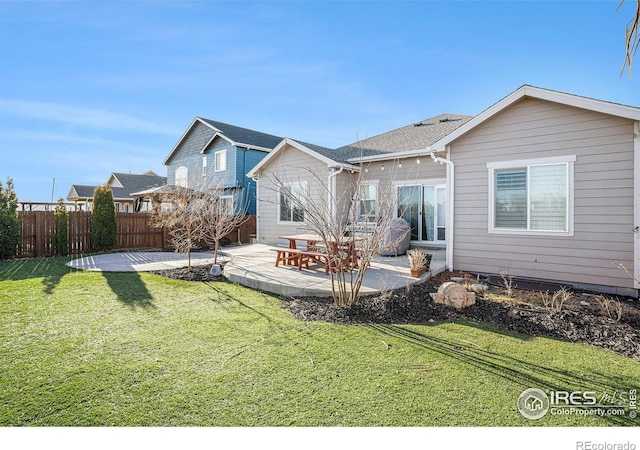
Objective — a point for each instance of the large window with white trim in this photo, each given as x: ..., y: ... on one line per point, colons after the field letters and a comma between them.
x: 533, y: 196
x: 291, y: 202
x: 220, y: 162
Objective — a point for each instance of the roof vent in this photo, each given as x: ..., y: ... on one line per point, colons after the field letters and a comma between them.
x: 446, y: 119
x: 421, y: 124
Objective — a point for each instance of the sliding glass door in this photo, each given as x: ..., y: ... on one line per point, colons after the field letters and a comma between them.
x: 424, y: 207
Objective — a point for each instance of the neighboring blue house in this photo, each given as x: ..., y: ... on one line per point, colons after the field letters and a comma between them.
x: 211, y: 153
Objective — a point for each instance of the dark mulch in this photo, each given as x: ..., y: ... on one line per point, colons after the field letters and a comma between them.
x: 197, y: 273
x: 415, y: 306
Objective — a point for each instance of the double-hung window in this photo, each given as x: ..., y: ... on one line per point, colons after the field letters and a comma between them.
x: 292, y: 201
x: 532, y: 196
x: 220, y: 161
x: 368, y: 202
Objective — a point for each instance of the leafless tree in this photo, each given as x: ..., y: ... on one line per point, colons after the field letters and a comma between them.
x: 346, y: 222
x: 179, y: 216
x: 203, y: 215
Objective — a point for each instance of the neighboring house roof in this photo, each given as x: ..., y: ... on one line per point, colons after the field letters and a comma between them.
x: 235, y: 135
x: 615, y: 109
x: 80, y: 192
x: 123, y: 185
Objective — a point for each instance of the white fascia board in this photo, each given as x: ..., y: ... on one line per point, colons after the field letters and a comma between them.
x: 391, y: 156
x: 604, y: 107
x: 298, y: 146
x: 117, y: 182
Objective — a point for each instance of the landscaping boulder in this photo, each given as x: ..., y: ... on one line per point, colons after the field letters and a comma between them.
x: 454, y: 295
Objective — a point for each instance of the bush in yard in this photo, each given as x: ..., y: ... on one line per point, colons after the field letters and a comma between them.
x: 104, y: 228
x: 9, y: 225
x: 60, y: 239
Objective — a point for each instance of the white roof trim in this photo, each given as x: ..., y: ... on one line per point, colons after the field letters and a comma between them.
x: 392, y: 156
x: 604, y: 107
x: 288, y: 141
x: 184, y: 135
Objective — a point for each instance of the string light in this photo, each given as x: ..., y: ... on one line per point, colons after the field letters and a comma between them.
x: 382, y: 166
x: 400, y: 164
x: 418, y: 160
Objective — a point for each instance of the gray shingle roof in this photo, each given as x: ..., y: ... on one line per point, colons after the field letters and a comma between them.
x: 244, y: 135
x: 135, y: 183
x: 80, y: 191
x: 415, y: 136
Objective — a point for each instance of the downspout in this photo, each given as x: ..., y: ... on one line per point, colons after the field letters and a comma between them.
x: 450, y: 207
x: 331, y: 184
x: 256, y: 180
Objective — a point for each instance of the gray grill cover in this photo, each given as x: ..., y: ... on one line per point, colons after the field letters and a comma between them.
x: 397, y: 241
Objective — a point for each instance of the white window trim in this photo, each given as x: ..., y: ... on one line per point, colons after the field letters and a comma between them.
x: 375, y: 183
x: 215, y: 161
x: 304, y: 185
x: 185, y: 178
x: 569, y: 160
x: 233, y: 203
x: 204, y: 166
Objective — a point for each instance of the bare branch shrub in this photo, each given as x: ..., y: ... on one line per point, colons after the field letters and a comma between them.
x: 507, y: 283
x: 611, y: 307
x: 554, y: 303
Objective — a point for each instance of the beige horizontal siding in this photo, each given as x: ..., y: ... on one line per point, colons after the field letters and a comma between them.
x: 291, y: 165
x: 603, y: 194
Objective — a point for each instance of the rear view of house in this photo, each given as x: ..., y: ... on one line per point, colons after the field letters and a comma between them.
x: 542, y: 185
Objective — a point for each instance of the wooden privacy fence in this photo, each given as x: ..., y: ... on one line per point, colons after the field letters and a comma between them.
x: 134, y: 232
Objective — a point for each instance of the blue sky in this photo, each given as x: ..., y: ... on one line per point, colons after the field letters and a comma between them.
x: 90, y: 88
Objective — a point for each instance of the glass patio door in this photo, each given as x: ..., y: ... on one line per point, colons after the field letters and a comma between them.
x: 424, y: 207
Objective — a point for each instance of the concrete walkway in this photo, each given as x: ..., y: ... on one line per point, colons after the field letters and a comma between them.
x: 254, y: 266
x: 139, y: 261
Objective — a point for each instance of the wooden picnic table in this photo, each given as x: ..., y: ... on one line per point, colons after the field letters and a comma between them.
x: 313, y: 251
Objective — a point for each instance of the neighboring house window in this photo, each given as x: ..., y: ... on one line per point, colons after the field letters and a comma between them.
x: 368, y: 202
x: 220, y: 161
x: 204, y: 166
x: 182, y: 176
x: 227, y: 204
x: 533, y: 196
x: 291, y: 204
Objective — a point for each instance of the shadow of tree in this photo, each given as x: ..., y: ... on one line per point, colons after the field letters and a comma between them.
x: 513, y: 369
x: 130, y: 289
x: 51, y: 270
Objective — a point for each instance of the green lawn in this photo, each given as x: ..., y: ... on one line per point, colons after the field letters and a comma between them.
x: 81, y: 348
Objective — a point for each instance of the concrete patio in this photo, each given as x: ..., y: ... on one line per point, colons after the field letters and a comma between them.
x: 254, y: 266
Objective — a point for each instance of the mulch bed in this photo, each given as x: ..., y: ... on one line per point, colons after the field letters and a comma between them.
x: 575, y: 322
x: 197, y: 273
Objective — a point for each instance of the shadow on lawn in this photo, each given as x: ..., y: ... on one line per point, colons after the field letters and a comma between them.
x: 130, y: 289
x: 521, y: 372
x: 223, y: 297
x: 51, y: 270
